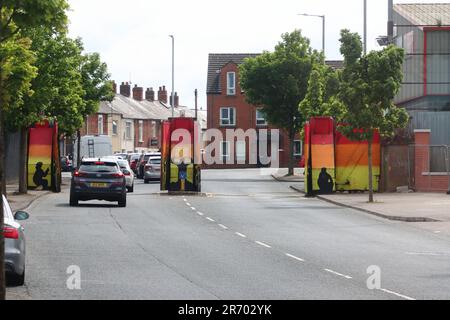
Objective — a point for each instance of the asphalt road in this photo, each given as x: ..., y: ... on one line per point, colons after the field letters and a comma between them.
x: 249, y: 237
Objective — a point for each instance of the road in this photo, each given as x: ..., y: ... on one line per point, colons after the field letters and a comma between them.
x: 249, y: 237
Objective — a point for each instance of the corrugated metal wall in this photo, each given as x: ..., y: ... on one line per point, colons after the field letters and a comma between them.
x: 437, y: 122
x: 12, y: 158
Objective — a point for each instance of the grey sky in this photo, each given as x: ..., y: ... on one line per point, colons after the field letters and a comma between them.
x: 133, y: 36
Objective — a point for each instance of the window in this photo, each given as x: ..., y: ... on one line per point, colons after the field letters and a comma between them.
x: 141, y: 131
x: 153, y: 129
x: 100, y: 124
x: 128, y: 130
x: 298, y: 148
x: 231, y: 83
x: 227, y: 116
x: 114, y: 127
x: 260, y: 118
x: 240, y: 151
x: 225, y: 150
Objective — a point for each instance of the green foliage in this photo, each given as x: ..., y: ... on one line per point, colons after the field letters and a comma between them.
x: 320, y: 99
x: 95, y: 82
x: 277, y: 81
x: 19, y: 15
x: 369, y: 85
x: 16, y: 74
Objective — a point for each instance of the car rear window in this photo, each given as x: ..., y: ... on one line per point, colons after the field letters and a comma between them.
x: 155, y: 161
x: 123, y: 163
x: 98, y: 167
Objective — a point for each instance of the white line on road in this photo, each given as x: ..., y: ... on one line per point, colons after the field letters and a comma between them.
x: 338, y: 274
x: 212, y: 220
x: 188, y: 204
x: 200, y: 213
x: 263, y: 244
x: 397, y: 294
x: 185, y: 200
x: 294, y: 257
x: 193, y: 208
x: 241, y: 235
x: 223, y: 227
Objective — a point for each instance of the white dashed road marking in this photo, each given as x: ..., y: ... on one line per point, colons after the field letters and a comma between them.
x: 338, y: 274
x: 294, y: 257
x: 208, y: 218
x: 193, y: 208
x: 241, y: 235
x: 223, y: 227
x: 397, y: 294
x: 263, y: 244
x: 200, y: 213
x: 188, y: 204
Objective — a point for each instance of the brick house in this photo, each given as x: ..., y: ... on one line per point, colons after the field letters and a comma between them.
x: 228, y: 109
x: 133, y: 119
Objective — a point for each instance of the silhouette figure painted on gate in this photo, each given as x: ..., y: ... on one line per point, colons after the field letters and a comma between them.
x: 325, y: 182
x: 39, y: 176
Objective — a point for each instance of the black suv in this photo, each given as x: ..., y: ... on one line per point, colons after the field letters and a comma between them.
x: 98, y: 179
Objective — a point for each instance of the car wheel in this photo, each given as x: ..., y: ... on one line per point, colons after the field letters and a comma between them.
x: 131, y: 190
x: 17, y: 279
x: 73, y: 200
x: 123, y: 201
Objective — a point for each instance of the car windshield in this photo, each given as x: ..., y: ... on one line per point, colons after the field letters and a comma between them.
x: 98, y: 167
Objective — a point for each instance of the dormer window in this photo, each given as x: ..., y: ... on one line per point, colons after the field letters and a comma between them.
x: 231, y: 83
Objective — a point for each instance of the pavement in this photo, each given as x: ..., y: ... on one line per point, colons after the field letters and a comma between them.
x: 251, y: 237
x: 282, y: 175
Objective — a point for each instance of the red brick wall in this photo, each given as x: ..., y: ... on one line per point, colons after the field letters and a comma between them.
x: 92, y: 123
x: 428, y: 182
x: 148, y: 126
x: 245, y: 116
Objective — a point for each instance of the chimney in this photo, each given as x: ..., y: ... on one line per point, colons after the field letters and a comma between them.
x: 114, y: 87
x: 150, y: 94
x: 138, y: 93
x: 162, y: 94
x: 125, y: 89
x: 177, y: 100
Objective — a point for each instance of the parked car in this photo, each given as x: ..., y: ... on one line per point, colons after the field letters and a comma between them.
x: 152, y: 170
x: 66, y: 164
x: 129, y: 175
x: 14, y: 236
x: 98, y: 179
x: 143, y: 161
x: 121, y: 155
x: 133, y: 159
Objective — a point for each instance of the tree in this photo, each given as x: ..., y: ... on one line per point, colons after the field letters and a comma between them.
x: 321, y: 97
x: 277, y: 81
x: 15, y: 17
x: 369, y: 85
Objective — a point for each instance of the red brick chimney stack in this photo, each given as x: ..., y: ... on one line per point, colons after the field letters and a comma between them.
x: 138, y: 93
x: 114, y: 87
x: 177, y: 100
x: 162, y: 94
x: 150, y: 94
x: 125, y: 89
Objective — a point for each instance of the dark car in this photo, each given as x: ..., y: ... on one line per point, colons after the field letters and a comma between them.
x: 133, y: 159
x: 143, y: 160
x: 98, y: 179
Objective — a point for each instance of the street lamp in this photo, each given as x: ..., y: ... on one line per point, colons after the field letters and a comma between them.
x: 173, y: 75
x: 323, y: 26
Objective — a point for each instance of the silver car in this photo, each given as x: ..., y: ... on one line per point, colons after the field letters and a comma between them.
x: 14, y: 245
x: 152, y: 170
x: 129, y: 174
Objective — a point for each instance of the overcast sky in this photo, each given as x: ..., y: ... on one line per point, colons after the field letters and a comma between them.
x: 133, y: 36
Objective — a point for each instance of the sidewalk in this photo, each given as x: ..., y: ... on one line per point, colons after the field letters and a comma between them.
x: 409, y: 207
x: 23, y: 201
x: 281, y: 175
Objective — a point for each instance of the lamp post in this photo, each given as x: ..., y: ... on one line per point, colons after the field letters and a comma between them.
x: 323, y: 26
x: 365, y: 26
x: 173, y: 76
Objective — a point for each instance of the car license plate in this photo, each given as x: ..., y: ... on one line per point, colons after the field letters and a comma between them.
x: 99, y: 185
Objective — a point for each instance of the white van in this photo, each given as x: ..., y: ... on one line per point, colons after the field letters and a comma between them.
x: 92, y: 147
